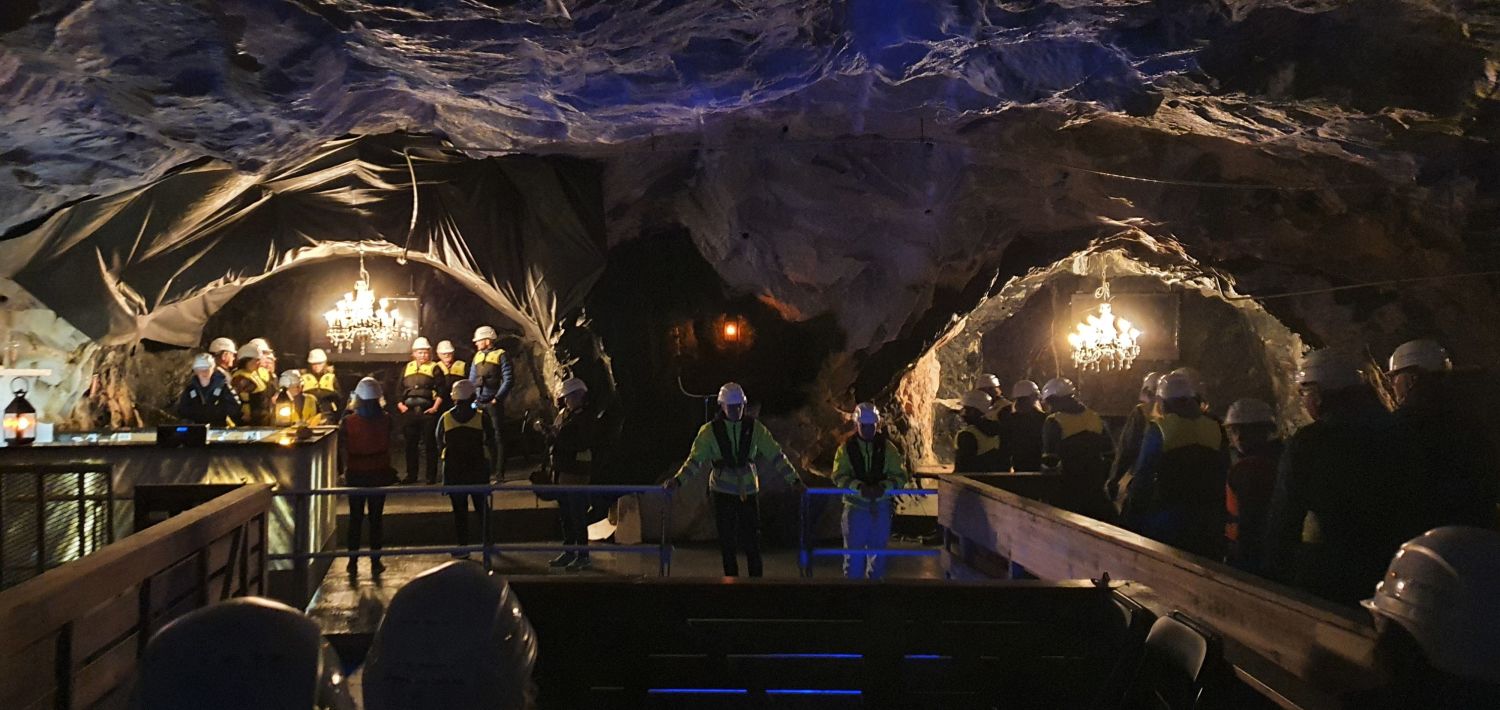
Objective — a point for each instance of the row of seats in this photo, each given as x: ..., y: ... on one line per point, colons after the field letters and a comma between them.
x: 456, y: 638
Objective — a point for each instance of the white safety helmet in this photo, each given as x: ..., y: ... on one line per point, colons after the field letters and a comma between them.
x: 444, y: 347
x: 977, y: 399
x: 248, y: 350
x: 866, y: 413
x: 368, y: 388
x: 571, y: 385
x: 263, y: 345
x: 1058, y: 387
x: 1200, y: 386
x: 290, y: 378
x: 222, y: 345
x: 463, y: 389
x: 731, y: 393
x: 1425, y: 355
x: 484, y: 332
x: 1149, y: 382
x: 1329, y: 370
x: 421, y: 343
x: 1025, y: 388
x: 316, y: 356
x: 1441, y: 587
x: 203, y: 361
x: 1175, y: 385
x: 987, y: 381
x: 1249, y: 411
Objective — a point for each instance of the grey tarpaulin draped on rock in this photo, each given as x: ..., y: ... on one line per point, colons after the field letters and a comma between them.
x: 526, y: 233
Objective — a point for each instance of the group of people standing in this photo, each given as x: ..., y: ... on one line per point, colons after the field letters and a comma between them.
x: 1324, y: 510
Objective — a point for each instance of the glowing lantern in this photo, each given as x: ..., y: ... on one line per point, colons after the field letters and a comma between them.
x: 731, y: 331
x: 20, y: 417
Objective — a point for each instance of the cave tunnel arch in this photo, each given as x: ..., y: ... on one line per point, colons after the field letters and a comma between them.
x: 928, y: 390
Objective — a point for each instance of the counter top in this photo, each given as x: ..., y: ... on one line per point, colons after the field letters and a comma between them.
x: 217, y: 438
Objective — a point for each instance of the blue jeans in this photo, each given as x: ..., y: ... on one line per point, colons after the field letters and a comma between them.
x: 866, y: 529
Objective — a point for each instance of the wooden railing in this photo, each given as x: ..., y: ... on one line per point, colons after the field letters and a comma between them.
x: 1288, y: 643
x: 70, y: 637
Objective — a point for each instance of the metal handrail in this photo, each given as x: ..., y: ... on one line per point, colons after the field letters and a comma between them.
x: 806, y: 552
x: 301, y: 556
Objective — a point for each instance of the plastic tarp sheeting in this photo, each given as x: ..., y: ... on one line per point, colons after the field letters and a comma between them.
x: 526, y: 233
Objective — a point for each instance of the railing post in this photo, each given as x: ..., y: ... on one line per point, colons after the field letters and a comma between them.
x: 664, y: 549
x: 484, y: 528
x: 301, y: 531
x: 804, y: 556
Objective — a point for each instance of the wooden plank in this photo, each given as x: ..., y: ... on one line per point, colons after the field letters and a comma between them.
x: 37, y: 607
x: 26, y: 674
x: 1311, y: 639
x: 104, y: 674
x: 175, y: 583
x: 105, y: 624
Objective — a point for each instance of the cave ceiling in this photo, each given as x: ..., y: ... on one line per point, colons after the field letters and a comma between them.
x: 903, y: 145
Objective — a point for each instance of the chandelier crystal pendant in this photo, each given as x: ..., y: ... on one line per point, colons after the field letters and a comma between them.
x: 359, y: 318
x: 1105, y: 341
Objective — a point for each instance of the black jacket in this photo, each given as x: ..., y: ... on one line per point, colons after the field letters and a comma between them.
x: 214, y: 405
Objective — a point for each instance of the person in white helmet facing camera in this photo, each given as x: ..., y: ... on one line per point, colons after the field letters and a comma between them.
x: 1255, y: 452
x: 976, y: 444
x: 571, y: 443
x: 320, y: 382
x: 1462, y: 468
x: 253, y: 390
x: 736, y: 451
x: 1021, y: 428
x: 1437, y: 640
x: 493, y: 378
x: 453, y: 368
x: 1075, y: 441
x: 1143, y: 413
x: 421, y: 399
x: 292, y: 406
x: 466, y: 441
x: 208, y: 398
x: 871, y: 465
x: 1346, y: 488
x: 1177, y: 493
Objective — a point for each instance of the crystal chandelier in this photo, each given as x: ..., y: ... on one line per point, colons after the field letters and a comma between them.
x: 356, y: 319
x: 1105, y: 341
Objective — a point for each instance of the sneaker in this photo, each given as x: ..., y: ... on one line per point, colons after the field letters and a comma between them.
x: 563, y: 560
x: 375, y: 566
x: 580, y: 563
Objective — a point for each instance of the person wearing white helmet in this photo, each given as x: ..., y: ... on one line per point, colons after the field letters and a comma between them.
x: 453, y: 368
x: 223, y: 351
x: 466, y: 442
x: 1255, y: 451
x: 736, y: 451
x: 493, y: 378
x: 321, y: 382
x: 870, y: 465
x: 292, y: 406
x: 990, y: 385
x: 421, y: 399
x: 976, y: 445
x: 1345, y: 489
x: 199, y: 660
x: 365, y: 435
x: 208, y: 398
x: 1462, y: 467
x: 1129, y: 448
x: 1437, y: 639
x: 1176, y: 496
x: 572, y: 440
x: 1021, y: 428
x: 1076, y: 441
x: 253, y: 390
x: 267, y: 360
